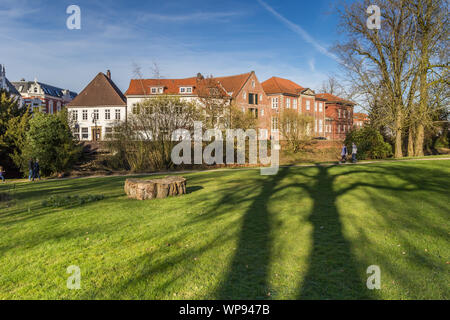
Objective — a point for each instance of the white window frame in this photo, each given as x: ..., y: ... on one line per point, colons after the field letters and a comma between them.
x: 320, y: 107
x: 308, y: 105
x: 288, y: 103
x: 107, y: 114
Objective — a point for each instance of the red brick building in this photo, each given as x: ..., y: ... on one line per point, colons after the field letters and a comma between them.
x: 360, y: 119
x: 339, y: 116
x: 285, y: 94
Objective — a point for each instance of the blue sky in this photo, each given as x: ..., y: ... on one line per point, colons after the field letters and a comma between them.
x: 274, y: 38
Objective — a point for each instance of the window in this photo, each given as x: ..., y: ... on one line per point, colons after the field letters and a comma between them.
x: 253, y: 83
x: 50, y: 107
x: 339, y: 128
x: 320, y: 126
x: 315, y: 107
x: 153, y: 90
x: 85, y: 114
x: 295, y: 104
x: 263, y: 134
x: 252, y: 98
x: 95, y: 114
x: 308, y: 105
x: 339, y: 113
x: 261, y: 98
x: 85, y: 133
x: 108, y: 130
x: 315, y: 126
x: 254, y: 112
x: 75, y: 115
x: 288, y: 103
x: 185, y: 90
x: 320, y: 106
x: 58, y: 106
x: 135, y: 109
x: 274, y: 103
x: 107, y: 114
x: 244, y: 95
x: 274, y: 124
x: 262, y: 112
x: 117, y: 114
x: 35, y: 90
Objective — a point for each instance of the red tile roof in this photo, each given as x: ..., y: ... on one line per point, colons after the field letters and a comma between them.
x: 332, y: 98
x: 280, y: 85
x: 360, y: 116
x: 231, y: 84
x: 171, y: 86
x: 101, y: 91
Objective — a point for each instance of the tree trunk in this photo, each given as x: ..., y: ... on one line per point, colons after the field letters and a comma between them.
x: 420, y: 136
x: 411, y: 142
x: 398, y: 136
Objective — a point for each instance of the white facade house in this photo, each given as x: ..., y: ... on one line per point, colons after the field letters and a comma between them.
x: 97, y: 109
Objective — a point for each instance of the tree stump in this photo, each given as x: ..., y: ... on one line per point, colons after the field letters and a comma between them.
x: 155, y: 189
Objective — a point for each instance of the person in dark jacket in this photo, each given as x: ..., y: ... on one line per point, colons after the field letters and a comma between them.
x: 30, y: 169
x: 344, y: 154
x: 36, y: 170
x: 2, y: 173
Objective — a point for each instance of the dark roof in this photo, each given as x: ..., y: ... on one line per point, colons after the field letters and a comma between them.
x: 48, y: 89
x: 12, y: 88
x: 101, y: 91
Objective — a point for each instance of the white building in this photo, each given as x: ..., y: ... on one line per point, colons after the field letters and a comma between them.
x: 96, y: 110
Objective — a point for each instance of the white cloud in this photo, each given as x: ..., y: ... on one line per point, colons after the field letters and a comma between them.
x: 300, y: 31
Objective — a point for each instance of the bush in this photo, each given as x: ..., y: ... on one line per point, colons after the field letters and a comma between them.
x: 50, y: 140
x: 370, y: 143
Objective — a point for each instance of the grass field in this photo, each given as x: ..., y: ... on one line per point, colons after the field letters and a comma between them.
x: 305, y: 233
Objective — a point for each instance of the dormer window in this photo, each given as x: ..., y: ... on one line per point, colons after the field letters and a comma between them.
x: 157, y: 90
x: 185, y: 90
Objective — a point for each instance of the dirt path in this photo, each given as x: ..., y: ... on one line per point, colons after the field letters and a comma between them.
x: 237, y: 169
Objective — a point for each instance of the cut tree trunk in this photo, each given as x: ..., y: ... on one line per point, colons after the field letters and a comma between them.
x: 155, y: 189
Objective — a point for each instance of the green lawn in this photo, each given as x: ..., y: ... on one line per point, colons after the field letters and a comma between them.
x: 305, y: 233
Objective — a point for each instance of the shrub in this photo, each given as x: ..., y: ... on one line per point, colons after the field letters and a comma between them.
x: 370, y: 143
x: 50, y: 140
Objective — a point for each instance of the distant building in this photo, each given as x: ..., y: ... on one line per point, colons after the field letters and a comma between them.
x: 286, y: 94
x: 8, y: 86
x: 97, y: 108
x: 41, y: 97
x: 244, y: 90
x: 339, y: 116
x: 360, y: 119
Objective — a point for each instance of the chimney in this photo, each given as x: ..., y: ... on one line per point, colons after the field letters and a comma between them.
x: 108, y: 74
x: 199, y: 76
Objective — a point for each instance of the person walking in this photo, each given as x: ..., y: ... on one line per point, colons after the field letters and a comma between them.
x: 354, y: 152
x: 30, y: 169
x: 344, y: 154
x: 2, y: 174
x: 36, y: 170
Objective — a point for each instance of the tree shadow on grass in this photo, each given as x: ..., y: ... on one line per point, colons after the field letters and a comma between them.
x: 332, y: 269
x: 247, y: 277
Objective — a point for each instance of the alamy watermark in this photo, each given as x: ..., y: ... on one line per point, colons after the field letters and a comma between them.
x: 73, y: 22
x: 374, y: 280
x: 74, y: 280
x: 374, y: 20
x: 213, y: 152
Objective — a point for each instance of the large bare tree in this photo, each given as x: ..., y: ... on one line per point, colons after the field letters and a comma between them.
x: 377, y: 58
